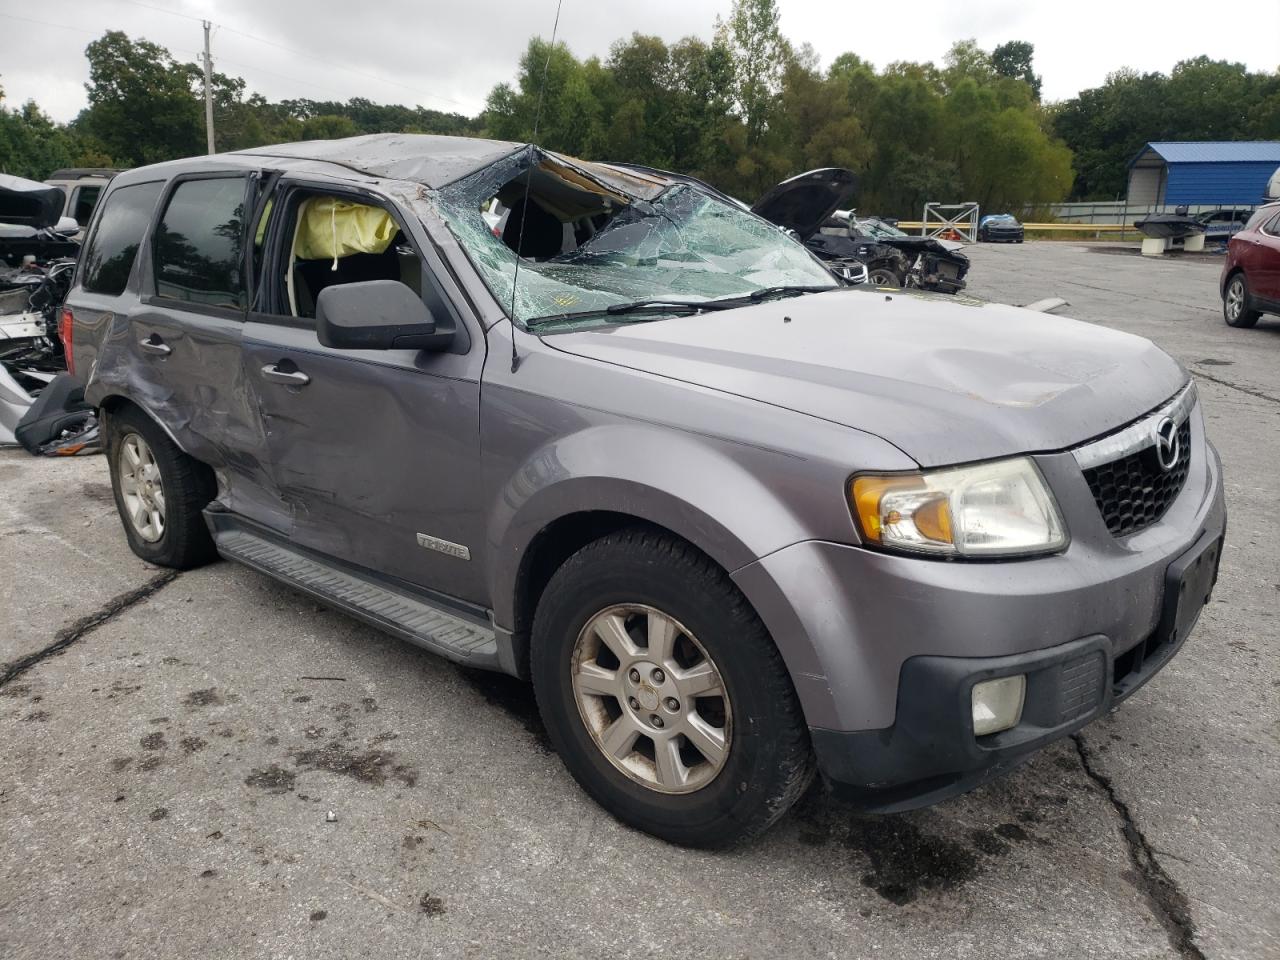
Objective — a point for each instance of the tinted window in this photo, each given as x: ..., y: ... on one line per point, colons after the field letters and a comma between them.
x: 86, y: 199
x: 108, y: 256
x: 197, y: 245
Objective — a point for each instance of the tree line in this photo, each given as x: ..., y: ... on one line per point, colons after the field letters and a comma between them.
x: 742, y: 110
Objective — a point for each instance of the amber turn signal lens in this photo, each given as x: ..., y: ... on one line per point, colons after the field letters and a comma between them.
x: 868, y: 493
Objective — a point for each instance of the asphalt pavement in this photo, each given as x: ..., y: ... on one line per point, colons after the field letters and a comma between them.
x: 211, y: 765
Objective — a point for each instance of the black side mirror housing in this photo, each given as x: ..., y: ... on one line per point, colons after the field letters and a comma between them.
x: 377, y: 315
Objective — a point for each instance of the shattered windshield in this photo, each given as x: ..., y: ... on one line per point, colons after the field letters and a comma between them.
x: 878, y: 229
x: 588, y: 246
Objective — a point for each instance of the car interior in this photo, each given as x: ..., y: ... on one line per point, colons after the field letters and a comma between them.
x: 336, y: 240
x: 564, y: 210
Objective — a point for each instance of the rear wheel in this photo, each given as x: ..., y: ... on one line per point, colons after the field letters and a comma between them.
x: 1235, y: 303
x: 159, y: 492
x: 664, y: 694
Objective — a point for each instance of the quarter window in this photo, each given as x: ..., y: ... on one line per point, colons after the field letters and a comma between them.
x: 198, y: 243
x: 110, y: 252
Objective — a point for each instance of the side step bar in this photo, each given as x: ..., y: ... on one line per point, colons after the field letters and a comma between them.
x: 408, y: 616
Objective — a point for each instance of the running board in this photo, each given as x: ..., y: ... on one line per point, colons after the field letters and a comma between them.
x: 409, y: 617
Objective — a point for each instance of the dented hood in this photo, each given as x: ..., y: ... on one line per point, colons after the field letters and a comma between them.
x: 946, y: 382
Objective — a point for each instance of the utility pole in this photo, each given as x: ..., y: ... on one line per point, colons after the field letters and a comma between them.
x: 208, y: 89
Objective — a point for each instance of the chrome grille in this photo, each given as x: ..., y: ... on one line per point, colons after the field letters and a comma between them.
x: 1129, y: 485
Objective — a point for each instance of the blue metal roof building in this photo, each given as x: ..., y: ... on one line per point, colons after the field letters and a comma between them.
x: 1178, y: 172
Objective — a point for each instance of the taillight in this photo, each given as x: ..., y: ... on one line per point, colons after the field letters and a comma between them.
x: 65, y: 323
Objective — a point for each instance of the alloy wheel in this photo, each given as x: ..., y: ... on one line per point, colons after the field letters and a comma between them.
x: 1235, y: 299
x: 141, y: 488
x: 651, y: 698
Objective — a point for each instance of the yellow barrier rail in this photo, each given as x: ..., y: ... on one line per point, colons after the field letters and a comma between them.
x: 1063, y: 227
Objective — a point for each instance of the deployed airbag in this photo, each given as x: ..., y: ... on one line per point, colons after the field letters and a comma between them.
x: 329, y: 228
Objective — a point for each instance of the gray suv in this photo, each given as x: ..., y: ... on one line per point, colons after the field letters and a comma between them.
x: 736, y: 521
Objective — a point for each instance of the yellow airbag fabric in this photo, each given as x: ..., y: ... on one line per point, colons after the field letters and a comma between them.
x: 329, y: 228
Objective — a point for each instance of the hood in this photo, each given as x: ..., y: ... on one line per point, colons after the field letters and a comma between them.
x: 945, y: 381
x: 926, y: 245
x: 805, y: 202
x: 28, y: 203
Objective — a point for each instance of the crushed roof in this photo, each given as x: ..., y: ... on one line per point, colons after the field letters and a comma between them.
x: 424, y: 158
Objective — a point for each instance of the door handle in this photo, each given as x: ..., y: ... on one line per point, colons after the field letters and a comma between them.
x: 154, y: 345
x: 293, y: 378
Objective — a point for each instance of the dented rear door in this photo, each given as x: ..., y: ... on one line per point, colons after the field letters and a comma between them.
x: 183, y: 340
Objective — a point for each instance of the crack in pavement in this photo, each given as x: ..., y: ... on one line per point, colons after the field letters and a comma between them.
x: 1166, y: 899
x: 85, y: 625
x: 1235, y: 386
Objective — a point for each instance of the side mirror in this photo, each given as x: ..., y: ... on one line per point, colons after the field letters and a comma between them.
x: 67, y: 226
x: 376, y: 315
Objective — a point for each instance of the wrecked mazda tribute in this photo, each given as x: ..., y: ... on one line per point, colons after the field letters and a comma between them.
x: 601, y: 428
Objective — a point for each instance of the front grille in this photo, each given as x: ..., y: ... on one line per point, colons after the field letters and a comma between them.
x: 1133, y: 492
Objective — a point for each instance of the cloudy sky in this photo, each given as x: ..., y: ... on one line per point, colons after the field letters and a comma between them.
x: 448, y: 55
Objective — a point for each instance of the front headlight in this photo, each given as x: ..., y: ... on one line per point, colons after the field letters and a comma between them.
x: 987, y: 510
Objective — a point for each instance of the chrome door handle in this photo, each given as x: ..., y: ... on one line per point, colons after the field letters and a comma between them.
x: 294, y: 378
x: 153, y: 344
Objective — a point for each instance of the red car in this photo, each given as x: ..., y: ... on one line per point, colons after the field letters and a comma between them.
x: 1251, y: 275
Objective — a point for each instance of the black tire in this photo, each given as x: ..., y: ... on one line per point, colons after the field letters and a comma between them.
x: 879, y: 275
x: 1246, y: 315
x: 769, y: 763
x: 188, y: 487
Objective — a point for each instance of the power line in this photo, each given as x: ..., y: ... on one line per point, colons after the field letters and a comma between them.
x: 46, y: 23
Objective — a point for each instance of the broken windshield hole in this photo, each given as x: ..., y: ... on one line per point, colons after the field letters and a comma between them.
x: 585, y: 243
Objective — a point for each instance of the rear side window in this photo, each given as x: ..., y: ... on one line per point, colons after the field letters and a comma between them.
x: 109, y: 254
x: 198, y: 241
x: 86, y: 198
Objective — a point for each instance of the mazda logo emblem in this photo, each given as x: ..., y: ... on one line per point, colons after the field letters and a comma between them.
x: 1167, y: 444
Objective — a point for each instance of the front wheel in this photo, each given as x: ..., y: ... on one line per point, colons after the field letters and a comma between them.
x: 1235, y: 303
x: 882, y: 276
x: 663, y: 693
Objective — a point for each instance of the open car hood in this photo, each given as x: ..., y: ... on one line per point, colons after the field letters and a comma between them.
x: 805, y: 202
x: 28, y: 203
x: 945, y: 382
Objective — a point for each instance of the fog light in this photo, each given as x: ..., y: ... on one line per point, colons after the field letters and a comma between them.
x: 997, y: 704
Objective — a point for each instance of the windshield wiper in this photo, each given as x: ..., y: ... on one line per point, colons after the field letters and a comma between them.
x: 786, y: 290
x: 683, y: 307
x: 656, y: 304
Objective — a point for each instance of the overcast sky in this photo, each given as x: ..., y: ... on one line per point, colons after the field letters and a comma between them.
x: 448, y: 55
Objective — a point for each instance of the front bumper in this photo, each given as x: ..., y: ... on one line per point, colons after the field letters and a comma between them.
x: 931, y: 753
x: 884, y: 649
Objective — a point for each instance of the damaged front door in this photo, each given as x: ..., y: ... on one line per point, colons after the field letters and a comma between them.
x: 376, y: 452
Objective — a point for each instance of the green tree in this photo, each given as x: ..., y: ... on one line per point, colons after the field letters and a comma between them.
x: 760, y: 55
x: 141, y: 105
x: 1014, y: 60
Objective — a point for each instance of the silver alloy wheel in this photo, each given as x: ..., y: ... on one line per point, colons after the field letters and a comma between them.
x: 651, y: 698
x: 1235, y: 299
x: 141, y: 488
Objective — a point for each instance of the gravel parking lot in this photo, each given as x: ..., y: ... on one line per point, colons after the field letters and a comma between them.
x: 174, y: 744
